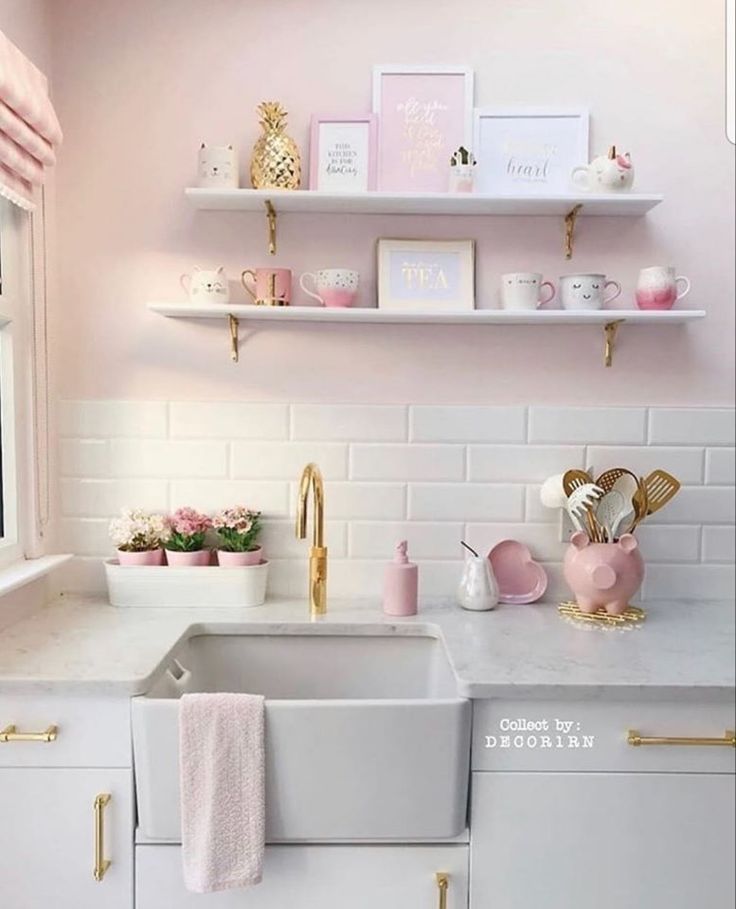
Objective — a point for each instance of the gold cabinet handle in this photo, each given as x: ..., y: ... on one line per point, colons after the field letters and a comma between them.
x: 101, y: 863
x: 11, y: 734
x: 635, y: 738
x: 443, y: 883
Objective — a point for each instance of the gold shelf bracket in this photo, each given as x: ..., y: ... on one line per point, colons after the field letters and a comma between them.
x: 271, y: 218
x: 234, y: 325
x: 610, y: 329
x: 570, y: 219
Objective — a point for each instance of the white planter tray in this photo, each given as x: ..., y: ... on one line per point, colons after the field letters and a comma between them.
x: 166, y: 585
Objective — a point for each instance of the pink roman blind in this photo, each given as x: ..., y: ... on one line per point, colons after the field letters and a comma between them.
x: 29, y: 129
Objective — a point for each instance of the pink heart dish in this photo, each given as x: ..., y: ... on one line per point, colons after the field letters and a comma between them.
x: 520, y: 579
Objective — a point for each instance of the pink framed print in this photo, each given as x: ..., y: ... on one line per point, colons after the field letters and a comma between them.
x: 426, y: 275
x: 425, y: 113
x: 342, y: 153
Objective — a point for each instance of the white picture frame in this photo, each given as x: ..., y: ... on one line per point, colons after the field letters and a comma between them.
x: 426, y: 275
x: 528, y: 151
x: 409, y: 163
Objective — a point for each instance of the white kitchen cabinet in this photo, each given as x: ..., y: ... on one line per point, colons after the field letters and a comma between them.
x: 47, y: 838
x: 317, y: 877
x: 609, y: 840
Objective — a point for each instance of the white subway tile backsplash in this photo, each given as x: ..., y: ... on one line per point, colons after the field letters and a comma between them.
x: 669, y: 543
x: 684, y: 463
x: 535, y: 512
x: 467, y: 424
x: 87, y: 537
x: 588, y: 425
x: 279, y: 539
x: 719, y: 544
x: 109, y: 419
x: 521, y: 463
x: 377, y: 539
x: 543, y: 540
x: 465, y: 502
x: 84, y: 457
x: 691, y: 426
x: 699, y: 505
x: 105, y: 498
x: 349, y: 423
x: 428, y: 474
x: 365, y: 501
x: 407, y: 462
x: 680, y: 582
x: 272, y: 498
x: 229, y: 420
x: 720, y: 466
x: 286, y: 460
x: 163, y: 458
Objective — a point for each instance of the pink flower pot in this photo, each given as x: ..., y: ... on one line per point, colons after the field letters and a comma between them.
x: 238, y: 559
x: 151, y: 557
x: 603, y: 574
x: 188, y: 559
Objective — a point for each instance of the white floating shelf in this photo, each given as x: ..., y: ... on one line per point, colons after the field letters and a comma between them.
x: 380, y: 203
x: 249, y: 312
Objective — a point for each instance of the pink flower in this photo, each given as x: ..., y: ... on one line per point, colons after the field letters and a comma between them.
x: 187, y: 522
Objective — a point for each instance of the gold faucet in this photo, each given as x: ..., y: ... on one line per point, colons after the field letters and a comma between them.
x: 312, y: 478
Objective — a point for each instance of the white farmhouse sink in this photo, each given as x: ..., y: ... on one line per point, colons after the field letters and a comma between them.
x: 365, y: 735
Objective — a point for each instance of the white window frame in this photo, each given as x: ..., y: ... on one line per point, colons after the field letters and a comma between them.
x: 16, y: 359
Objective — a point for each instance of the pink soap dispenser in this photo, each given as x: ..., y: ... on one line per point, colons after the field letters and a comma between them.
x: 401, y: 584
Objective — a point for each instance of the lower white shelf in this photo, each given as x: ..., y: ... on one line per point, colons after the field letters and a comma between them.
x: 365, y: 315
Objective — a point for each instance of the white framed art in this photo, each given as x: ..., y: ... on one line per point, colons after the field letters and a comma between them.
x: 426, y: 275
x: 343, y: 153
x: 528, y: 151
x: 425, y: 113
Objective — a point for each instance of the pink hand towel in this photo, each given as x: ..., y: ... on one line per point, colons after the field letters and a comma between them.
x: 222, y: 772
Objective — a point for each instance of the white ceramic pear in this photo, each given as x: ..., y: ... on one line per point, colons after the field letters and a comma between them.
x: 478, y: 589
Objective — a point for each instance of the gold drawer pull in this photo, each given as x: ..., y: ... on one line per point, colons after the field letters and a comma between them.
x: 11, y: 734
x: 443, y: 882
x: 636, y: 739
x: 101, y: 863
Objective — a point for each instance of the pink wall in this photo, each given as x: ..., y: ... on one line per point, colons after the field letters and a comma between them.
x: 25, y: 23
x: 140, y: 84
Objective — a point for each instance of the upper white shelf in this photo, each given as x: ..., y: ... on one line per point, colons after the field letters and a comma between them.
x: 380, y: 203
x: 249, y: 311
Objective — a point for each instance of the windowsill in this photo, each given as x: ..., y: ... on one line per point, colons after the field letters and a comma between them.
x: 23, y: 572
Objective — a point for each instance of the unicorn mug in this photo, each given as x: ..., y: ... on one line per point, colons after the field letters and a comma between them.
x: 335, y: 287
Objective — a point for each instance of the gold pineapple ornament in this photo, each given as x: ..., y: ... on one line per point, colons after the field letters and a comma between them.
x: 276, y: 162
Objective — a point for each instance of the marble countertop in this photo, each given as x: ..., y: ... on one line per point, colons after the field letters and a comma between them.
x: 684, y: 650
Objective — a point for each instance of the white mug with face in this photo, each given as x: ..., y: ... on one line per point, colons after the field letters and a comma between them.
x: 206, y: 285
x: 587, y: 291
x: 521, y: 290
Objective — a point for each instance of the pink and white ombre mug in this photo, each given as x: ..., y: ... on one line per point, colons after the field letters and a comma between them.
x: 333, y: 287
x: 657, y: 287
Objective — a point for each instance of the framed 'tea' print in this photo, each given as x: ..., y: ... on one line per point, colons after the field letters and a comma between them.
x: 426, y: 275
x: 425, y: 113
x: 342, y: 153
x: 528, y: 151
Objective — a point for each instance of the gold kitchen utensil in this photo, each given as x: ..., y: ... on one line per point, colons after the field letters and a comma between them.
x: 572, y: 480
x: 641, y: 503
x: 661, y: 487
x: 608, y: 478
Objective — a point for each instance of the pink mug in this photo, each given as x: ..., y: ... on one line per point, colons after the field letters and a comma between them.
x: 335, y: 287
x: 657, y: 287
x: 270, y: 286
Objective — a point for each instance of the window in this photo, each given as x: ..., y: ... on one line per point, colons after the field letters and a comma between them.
x: 15, y: 356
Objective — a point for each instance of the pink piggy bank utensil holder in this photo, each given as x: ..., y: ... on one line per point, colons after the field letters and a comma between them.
x: 603, y: 575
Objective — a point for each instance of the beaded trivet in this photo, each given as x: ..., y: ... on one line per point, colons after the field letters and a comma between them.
x: 632, y: 615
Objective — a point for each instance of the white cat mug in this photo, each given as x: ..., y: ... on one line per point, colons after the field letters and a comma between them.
x: 587, y: 291
x: 217, y: 166
x: 206, y: 286
x: 522, y: 290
